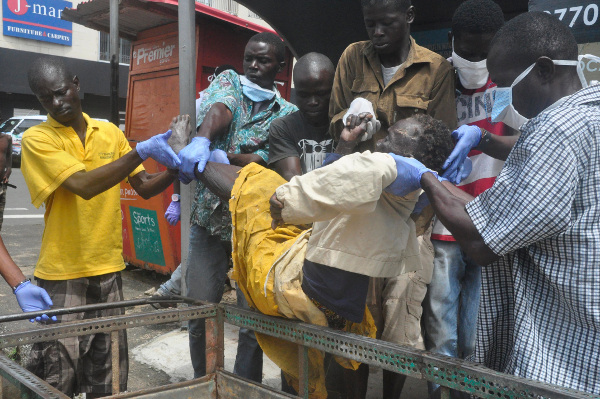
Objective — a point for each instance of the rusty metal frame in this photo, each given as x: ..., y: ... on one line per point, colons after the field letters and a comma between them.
x: 29, y: 385
x: 450, y: 373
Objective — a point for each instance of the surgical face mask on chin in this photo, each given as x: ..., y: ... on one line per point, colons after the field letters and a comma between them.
x: 503, y: 109
x: 472, y: 75
x: 254, y: 92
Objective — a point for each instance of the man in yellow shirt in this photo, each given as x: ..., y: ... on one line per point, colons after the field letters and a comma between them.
x: 73, y: 164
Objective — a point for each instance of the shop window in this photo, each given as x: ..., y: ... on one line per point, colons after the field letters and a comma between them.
x: 229, y: 6
x: 124, y: 49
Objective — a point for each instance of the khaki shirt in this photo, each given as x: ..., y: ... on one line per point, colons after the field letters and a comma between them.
x: 358, y: 226
x: 424, y: 84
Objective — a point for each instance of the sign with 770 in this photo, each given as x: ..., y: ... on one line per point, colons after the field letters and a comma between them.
x: 582, y: 16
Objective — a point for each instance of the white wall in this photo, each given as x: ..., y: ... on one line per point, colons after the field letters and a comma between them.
x: 85, y: 43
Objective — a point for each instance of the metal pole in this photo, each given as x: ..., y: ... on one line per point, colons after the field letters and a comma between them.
x: 96, y: 307
x: 187, y: 105
x: 114, y: 61
x: 215, y: 343
x: 303, y: 372
x: 115, y: 362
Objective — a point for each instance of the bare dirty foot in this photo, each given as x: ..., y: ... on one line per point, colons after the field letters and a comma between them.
x: 181, y: 130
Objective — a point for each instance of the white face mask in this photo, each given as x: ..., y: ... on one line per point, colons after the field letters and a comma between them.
x: 503, y: 109
x: 472, y: 75
x: 254, y: 92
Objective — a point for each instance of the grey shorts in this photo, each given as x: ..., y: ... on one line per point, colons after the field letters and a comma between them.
x: 396, y: 303
x: 81, y: 364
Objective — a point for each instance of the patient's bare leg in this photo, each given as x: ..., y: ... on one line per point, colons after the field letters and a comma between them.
x: 219, y: 178
x: 180, y: 132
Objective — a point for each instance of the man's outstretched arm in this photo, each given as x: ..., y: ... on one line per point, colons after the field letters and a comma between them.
x: 30, y: 297
x: 148, y: 185
x: 218, y: 178
x: 450, y: 209
x: 88, y: 184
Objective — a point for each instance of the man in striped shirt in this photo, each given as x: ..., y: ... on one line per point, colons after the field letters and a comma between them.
x: 537, y: 227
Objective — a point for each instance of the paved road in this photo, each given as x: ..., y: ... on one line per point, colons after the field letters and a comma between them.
x: 19, y: 210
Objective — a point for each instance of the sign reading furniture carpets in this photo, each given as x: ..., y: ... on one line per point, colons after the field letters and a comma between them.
x: 37, y: 20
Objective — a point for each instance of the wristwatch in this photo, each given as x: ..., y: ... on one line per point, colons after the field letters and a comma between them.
x: 20, y: 284
x: 175, y: 197
x: 486, y: 137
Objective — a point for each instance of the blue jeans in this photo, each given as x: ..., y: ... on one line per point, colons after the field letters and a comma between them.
x: 452, y: 302
x: 208, y: 262
x: 173, y: 285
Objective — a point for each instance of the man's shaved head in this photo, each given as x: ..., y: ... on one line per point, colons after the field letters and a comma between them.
x: 45, y: 68
x: 313, y: 78
x: 315, y: 64
x: 532, y: 35
x: 57, y: 89
x: 534, y: 38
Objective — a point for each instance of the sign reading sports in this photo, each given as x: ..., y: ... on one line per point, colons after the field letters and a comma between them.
x: 37, y: 20
x: 146, y: 235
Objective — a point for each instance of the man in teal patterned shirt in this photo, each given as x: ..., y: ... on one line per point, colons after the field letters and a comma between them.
x: 235, y: 118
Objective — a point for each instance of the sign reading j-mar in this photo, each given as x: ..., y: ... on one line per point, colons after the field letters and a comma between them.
x: 37, y: 20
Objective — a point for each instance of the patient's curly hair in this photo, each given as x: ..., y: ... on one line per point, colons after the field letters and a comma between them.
x: 435, y: 144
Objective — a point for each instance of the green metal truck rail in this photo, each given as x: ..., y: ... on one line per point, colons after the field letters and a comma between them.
x: 448, y: 372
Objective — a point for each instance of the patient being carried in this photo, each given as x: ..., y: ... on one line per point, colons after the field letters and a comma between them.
x: 359, y: 230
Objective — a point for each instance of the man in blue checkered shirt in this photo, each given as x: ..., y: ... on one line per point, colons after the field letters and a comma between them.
x: 538, y: 228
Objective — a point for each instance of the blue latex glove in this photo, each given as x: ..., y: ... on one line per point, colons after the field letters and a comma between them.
x: 421, y: 203
x: 465, y: 171
x: 173, y: 213
x: 331, y: 158
x: 218, y: 156
x: 196, y: 152
x: 409, y: 175
x: 467, y: 137
x: 158, y: 149
x: 32, y: 298
x: 461, y: 174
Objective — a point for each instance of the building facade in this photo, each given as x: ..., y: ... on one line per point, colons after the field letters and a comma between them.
x: 33, y: 28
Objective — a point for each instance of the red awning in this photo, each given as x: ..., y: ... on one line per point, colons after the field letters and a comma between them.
x: 136, y: 16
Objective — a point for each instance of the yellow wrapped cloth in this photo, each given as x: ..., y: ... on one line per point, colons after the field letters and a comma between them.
x: 267, y: 265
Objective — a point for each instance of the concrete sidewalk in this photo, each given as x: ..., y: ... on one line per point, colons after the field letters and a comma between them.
x: 171, y: 354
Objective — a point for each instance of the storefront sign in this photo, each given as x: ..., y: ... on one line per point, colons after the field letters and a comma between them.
x: 582, y: 16
x: 37, y: 20
x: 160, y: 53
x: 146, y: 236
